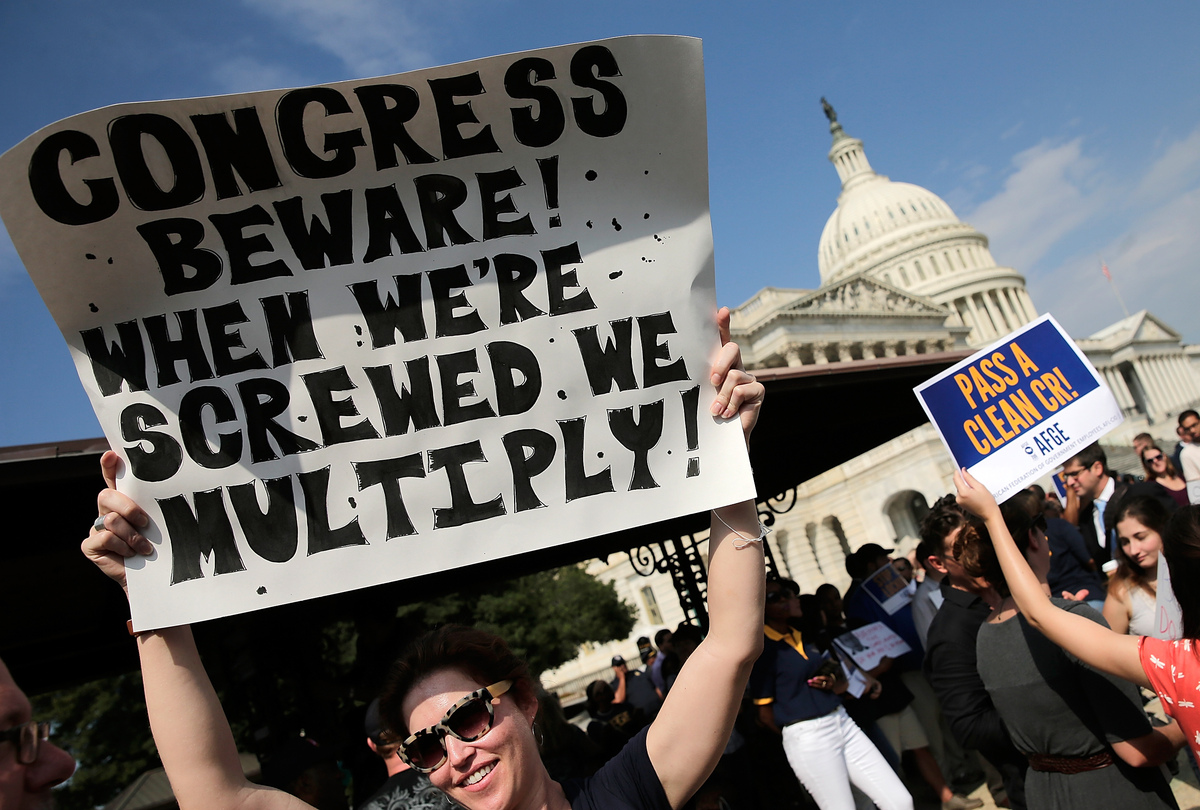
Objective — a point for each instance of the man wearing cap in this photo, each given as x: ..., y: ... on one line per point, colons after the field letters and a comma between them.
x: 405, y: 789
x: 29, y: 764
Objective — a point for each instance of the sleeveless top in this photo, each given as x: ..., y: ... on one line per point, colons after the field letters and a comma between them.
x: 1142, y: 619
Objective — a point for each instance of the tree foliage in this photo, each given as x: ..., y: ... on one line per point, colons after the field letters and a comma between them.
x: 544, y: 617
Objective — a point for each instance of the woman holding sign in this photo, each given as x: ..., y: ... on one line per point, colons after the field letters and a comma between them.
x: 461, y: 702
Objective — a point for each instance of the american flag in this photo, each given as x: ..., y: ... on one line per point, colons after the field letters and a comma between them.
x: 1104, y: 270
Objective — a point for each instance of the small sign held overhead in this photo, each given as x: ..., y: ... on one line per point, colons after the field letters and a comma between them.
x: 1014, y: 411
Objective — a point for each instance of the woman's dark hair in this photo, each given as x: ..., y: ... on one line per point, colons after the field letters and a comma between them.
x: 973, y: 547
x: 482, y: 656
x: 1151, y: 513
x: 1181, y: 547
x: 1169, y: 471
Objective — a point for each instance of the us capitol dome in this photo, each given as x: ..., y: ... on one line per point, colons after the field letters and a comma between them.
x: 900, y: 274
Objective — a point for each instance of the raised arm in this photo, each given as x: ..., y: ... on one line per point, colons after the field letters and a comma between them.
x: 1092, y: 643
x: 692, y: 728
x: 189, y: 726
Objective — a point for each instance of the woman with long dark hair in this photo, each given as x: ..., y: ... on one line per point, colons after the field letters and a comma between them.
x: 1129, y: 607
x: 460, y: 701
x: 1161, y: 470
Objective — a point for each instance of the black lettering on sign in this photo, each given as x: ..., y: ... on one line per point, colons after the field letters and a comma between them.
x: 387, y: 221
x: 191, y: 427
x: 579, y: 483
x: 452, y: 115
x: 514, y: 274
x: 446, y: 285
x: 492, y: 184
x: 184, y: 265
x: 264, y: 399
x: 387, y: 317
x: 388, y: 107
x: 241, y: 147
x: 339, y: 145
x: 439, y: 195
x: 651, y: 328
x: 612, y: 363
x: 168, y: 351
x: 272, y: 534
x: 222, y: 340
x: 530, y: 452
x: 127, y: 136
x: 463, y: 509
x: 164, y: 457
x: 239, y: 246
x: 122, y: 362
x: 521, y: 81
x: 509, y: 360
x: 639, y: 437
x: 290, y: 328
x: 558, y: 281
x: 321, y: 387
x: 413, y: 404
x: 450, y: 368
x: 321, y: 536
x: 204, y: 533
x: 387, y: 474
x: 50, y: 190
x: 589, y: 67
x: 316, y: 242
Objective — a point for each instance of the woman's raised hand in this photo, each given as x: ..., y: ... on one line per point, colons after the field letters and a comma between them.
x: 122, y: 518
x: 973, y: 496
x: 737, y: 391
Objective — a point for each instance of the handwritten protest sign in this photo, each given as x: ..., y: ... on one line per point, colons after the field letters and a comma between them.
x: 870, y: 644
x: 359, y: 332
x: 887, y: 587
x: 1014, y: 410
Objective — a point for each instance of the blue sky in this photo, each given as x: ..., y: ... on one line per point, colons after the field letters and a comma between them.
x: 1067, y: 132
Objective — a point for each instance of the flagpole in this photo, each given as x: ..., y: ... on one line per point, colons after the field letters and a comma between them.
x: 1113, y: 284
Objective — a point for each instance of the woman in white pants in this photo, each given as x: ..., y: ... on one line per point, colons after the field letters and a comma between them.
x: 825, y: 748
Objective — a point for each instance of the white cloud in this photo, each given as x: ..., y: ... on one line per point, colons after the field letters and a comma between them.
x: 372, y: 37
x: 243, y: 75
x: 1041, y: 202
x: 1176, y: 169
x: 1153, y: 263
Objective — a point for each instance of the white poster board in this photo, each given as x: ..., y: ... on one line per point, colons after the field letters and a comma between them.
x: 360, y: 332
x: 889, y: 589
x: 1016, y: 409
x: 870, y: 644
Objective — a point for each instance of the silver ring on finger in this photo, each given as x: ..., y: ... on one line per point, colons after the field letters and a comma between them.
x: 98, y: 524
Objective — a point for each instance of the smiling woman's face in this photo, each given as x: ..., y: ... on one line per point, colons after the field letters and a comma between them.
x: 500, y: 769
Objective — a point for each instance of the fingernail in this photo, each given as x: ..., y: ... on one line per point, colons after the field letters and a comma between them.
x: 728, y: 413
x: 143, y: 519
x: 716, y: 408
x: 715, y: 379
x: 145, y: 546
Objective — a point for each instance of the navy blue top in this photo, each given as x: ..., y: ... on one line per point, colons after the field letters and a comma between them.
x: 626, y: 782
x: 780, y: 678
x: 863, y: 609
x: 1068, y: 561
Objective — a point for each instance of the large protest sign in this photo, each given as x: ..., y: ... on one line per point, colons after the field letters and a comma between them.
x: 1014, y: 410
x: 360, y: 332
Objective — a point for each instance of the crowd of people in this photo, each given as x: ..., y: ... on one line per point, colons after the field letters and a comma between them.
x: 1021, y: 633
